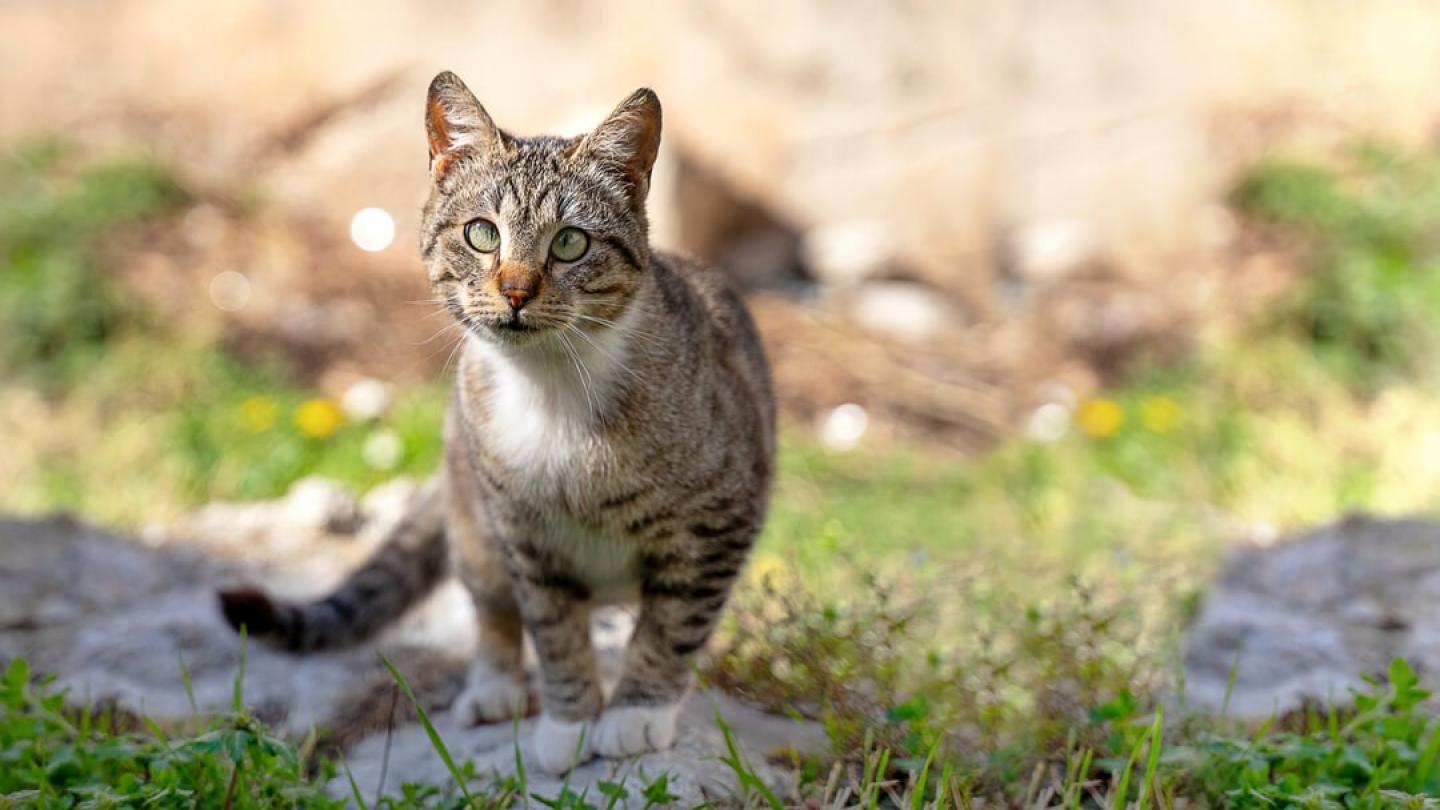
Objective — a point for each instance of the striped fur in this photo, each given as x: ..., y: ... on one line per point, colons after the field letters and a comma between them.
x: 611, y: 438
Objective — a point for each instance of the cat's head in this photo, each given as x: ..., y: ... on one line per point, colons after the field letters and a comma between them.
x: 527, y: 238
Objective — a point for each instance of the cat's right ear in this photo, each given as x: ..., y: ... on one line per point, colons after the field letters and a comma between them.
x: 455, y: 123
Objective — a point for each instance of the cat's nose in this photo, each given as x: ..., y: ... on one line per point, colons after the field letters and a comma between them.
x: 519, y: 284
x: 517, y: 297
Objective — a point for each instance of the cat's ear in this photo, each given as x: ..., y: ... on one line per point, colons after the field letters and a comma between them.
x: 627, y: 142
x: 455, y: 122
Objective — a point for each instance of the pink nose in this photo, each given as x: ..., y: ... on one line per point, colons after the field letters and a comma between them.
x: 517, y: 297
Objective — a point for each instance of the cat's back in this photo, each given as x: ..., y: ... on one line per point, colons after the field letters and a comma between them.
x: 703, y: 295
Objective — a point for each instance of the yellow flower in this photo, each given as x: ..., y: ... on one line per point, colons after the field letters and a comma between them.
x: 1160, y: 414
x: 767, y: 566
x: 318, y: 418
x: 1100, y: 418
x: 258, y: 414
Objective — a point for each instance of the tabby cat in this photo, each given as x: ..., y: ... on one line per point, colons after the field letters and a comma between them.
x: 610, y: 437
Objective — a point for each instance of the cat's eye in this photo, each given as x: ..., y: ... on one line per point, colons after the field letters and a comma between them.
x: 569, y: 244
x: 482, y: 235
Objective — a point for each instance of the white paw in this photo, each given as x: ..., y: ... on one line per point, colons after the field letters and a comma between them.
x: 623, y: 731
x: 490, y: 697
x: 559, y: 745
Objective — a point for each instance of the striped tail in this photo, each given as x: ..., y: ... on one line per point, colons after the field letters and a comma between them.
x: 404, y: 570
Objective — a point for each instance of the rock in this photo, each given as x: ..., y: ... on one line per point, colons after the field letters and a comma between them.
x: 313, y: 506
x: 1307, y: 618
x: 1045, y: 252
x: 694, y: 773
x: 902, y: 310
x: 115, y: 622
x: 849, y: 252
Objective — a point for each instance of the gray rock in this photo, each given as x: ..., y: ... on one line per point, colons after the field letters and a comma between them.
x: 114, y: 621
x: 1307, y: 619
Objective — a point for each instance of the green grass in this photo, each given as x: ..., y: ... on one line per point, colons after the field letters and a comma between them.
x: 1001, y: 627
x: 1380, y: 754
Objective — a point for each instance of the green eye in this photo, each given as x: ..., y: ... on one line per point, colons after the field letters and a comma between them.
x: 482, y: 235
x: 569, y: 244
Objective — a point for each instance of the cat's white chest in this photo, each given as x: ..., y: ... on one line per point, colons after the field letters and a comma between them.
x: 540, y: 419
x: 543, y: 444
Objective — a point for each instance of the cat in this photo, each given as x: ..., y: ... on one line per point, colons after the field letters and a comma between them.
x: 610, y: 438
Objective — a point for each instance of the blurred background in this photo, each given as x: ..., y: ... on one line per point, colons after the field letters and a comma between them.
x: 1073, y: 291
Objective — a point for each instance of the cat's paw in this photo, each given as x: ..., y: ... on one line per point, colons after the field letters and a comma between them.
x: 623, y: 731
x: 490, y: 697
x: 559, y: 745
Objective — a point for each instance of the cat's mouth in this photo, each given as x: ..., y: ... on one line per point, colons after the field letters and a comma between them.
x: 516, y: 325
x: 514, y: 330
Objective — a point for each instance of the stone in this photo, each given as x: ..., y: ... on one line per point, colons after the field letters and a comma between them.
x: 902, y: 310
x: 313, y: 506
x: 1308, y: 618
x: 1046, y: 252
x: 849, y: 252
x: 120, y: 623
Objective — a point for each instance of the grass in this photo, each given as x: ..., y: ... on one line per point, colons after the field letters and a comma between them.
x: 998, y: 628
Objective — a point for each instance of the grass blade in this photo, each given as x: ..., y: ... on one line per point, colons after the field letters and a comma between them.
x: 1122, y: 787
x: 917, y: 799
x: 435, y: 741
x: 189, y: 686
x: 1081, y: 776
x: 238, y: 700
x: 747, y: 777
x: 520, y: 774
x: 1426, y: 762
x: 354, y: 788
x: 1152, y: 763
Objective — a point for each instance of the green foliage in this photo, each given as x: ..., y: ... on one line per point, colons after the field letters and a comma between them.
x: 53, y: 755
x: 1381, y: 755
x: 57, y: 307
x: 1371, y: 303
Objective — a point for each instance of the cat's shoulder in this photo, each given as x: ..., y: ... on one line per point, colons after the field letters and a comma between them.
x: 710, y: 287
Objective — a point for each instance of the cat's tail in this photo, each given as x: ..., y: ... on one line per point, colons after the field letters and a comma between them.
x: 415, y: 556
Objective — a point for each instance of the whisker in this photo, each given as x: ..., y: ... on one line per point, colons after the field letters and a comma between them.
x: 601, y: 349
x: 447, y: 327
x: 459, y: 343
x: 581, y: 372
x: 650, y: 337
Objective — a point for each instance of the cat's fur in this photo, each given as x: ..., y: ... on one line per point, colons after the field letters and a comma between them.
x: 612, y: 439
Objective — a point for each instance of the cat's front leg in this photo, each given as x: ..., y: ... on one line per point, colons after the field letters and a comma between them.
x: 682, y: 596
x: 555, y: 609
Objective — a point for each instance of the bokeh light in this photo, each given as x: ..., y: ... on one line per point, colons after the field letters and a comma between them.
x: 372, y: 229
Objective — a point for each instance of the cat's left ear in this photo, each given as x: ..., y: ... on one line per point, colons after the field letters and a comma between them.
x: 455, y: 122
x: 628, y: 141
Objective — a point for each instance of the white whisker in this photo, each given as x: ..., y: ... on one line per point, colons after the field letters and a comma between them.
x: 607, y: 354
x: 582, y: 374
